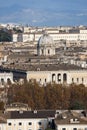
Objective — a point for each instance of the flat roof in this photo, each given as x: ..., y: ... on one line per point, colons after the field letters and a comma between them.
x: 32, y: 114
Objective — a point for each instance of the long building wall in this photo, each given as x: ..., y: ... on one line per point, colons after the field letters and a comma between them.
x: 27, y: 37
x: 26, y: 124
x: 60, y: 77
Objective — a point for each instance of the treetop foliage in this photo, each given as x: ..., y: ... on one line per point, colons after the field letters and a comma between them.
x: 52, y: 96
x: 5, y: 36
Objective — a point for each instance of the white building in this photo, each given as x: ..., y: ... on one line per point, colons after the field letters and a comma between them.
x: 30, y: 120
x: 41, y: 119
x: 71, y: 121
x: 58, y: 76
x: 80, y: 35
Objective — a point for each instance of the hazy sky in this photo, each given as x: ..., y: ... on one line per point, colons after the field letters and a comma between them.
x: 44, y: 12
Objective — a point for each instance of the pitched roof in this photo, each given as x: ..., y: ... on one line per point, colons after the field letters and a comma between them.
x: 71, y: 117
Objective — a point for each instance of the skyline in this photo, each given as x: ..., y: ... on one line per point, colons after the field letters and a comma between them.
x: 44, y: 13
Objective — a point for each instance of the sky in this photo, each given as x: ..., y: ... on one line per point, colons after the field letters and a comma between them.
x: 44, y: 12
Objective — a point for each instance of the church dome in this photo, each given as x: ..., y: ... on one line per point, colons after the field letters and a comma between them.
x: 45, y: 39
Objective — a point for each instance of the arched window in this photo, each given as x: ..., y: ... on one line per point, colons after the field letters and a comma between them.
x: 2, y: 81
x: 48, y: 51
x: 59, y: 77
x: 8, y: 81
x: 64, y: 77
x: 53, y: 77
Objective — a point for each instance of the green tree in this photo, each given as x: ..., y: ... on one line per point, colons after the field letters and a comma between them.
x: 77, y: 93
x: 5, y: 36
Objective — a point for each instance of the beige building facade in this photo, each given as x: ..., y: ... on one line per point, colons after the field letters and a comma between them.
x: 59, y: 77
x: 30, y: 120
x: 26, y: 124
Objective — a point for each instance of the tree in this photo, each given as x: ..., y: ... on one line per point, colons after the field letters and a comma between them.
x: 52, y: 96
x: 1, y: 105
x: 77, y: 95
x: 5, y: 36
x: 17, y: 30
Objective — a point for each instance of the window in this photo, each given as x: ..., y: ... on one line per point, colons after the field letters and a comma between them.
x: 82, y: 80
x: 9, y: 123
x: 42, y: 51
x: 45, y: 80
x: 2, y: 81
x: 74, y: 128
x: 77, y: 79
x: 30, y: 123
x: 57, y: 112
x: 48, y: 51
x: 63, y: 128
x: 59, y: 77
x: 40, y: 80
x: 20, y: 123
x: 39, y: 123
x: 72, y: 79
